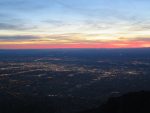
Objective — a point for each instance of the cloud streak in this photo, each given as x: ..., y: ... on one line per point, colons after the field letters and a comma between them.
x: 18, y: 27
x: 82, y: 23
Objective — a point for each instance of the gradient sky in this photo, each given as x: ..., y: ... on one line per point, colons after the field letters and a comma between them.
x: 31, y: 24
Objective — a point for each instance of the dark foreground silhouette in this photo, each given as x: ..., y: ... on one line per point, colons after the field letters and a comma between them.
x: 138, y: 102
x: 13, y: 104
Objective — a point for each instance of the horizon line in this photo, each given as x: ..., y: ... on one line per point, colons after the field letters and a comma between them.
x: 73, y: 48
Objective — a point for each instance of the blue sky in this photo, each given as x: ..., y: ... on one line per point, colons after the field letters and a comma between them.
x: 78, y: 20
x: 66, y: 11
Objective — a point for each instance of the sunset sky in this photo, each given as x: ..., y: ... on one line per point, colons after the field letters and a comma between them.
x: 43, y: 24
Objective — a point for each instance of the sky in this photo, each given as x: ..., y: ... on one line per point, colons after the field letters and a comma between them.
x: 45, y: 24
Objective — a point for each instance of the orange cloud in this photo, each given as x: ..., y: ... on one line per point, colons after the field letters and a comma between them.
x: 114, y: 44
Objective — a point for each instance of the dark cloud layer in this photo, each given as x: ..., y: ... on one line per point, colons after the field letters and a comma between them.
x: 18, y: 37
x: 9, y: 26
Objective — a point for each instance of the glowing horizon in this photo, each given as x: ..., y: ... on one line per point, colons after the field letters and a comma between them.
x: 45, y: 24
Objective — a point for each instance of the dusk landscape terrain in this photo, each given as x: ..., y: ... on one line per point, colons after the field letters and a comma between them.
x: 74, y: 56
x: 70, y: 80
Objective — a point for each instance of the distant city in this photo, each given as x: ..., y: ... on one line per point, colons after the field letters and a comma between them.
x: 74, y: 56
x: 80, y: 78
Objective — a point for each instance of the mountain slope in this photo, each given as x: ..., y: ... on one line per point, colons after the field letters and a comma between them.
x: 137, y: 102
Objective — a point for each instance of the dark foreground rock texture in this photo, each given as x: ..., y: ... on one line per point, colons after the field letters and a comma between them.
x: 136, y: 102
